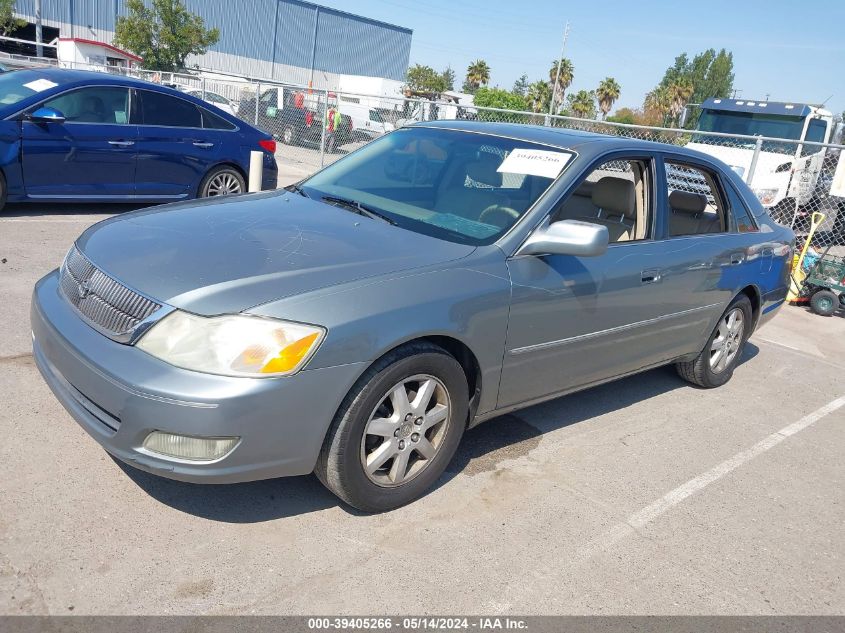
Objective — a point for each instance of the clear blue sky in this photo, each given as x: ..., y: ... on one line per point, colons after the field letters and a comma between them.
x: 794, y: 51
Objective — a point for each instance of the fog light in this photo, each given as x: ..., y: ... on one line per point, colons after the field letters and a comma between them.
x: 200, y: 449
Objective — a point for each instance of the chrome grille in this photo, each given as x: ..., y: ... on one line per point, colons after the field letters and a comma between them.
x: 106, y: 303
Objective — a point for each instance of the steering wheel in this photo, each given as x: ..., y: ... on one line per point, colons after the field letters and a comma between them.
x: 499, y: 215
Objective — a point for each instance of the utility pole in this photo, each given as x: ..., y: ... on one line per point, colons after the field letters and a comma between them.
x: 559, y: 64
x: 39, y: 50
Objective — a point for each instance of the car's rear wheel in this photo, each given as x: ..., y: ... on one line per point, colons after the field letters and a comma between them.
x: 289, y: 135
x: 824, y: 302
x: 397, y: 430
x: 222, y: 181
x: 715, y: 365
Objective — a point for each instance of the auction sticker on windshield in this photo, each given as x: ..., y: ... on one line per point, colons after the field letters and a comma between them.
x: 535, y: 162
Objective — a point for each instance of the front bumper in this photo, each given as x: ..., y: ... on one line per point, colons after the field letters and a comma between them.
x: 119, y: 394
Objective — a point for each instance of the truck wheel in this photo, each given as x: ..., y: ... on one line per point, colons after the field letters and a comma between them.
x: 784, y: 212
x: 397, y: 430
x: 824, y: 302
x: 289, y: 135
x: 715, y: 365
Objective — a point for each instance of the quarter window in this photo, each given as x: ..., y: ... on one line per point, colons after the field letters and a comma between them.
x: 211, y: 121
x: 695, y: 205
x: 97, y: 104
x: 165, y: 110
x: 742, y: 219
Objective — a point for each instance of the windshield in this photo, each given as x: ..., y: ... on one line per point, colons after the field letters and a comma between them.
x: 457, y: 186
x: 18, y: 85
x: 752, y: 124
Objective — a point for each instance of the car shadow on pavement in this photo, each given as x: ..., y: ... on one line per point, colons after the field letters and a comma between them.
x: 34, y: 210
x: 482, y: 449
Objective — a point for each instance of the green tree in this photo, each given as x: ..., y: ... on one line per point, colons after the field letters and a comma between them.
x: 539, y: 96
x: 564, y: 80
x: 710, y: 74
x: 498, y: 98
x: 425, y: 79
x: 8, y: 22
x: 659, y: 101
x: 478, y: 74
x: 582, y: 104
x: 520, y: 86
x: 607, y: 93
x: 164, y: 34
x: 679, y: 93
x: 448, y: 76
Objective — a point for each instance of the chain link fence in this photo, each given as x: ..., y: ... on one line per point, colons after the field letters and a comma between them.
x: 793, y: 179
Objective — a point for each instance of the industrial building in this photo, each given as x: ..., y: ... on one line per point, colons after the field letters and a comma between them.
x: 285, y: 40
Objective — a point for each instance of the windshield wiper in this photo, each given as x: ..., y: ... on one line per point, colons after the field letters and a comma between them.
x: 297, y: 189
x: 357, y: 207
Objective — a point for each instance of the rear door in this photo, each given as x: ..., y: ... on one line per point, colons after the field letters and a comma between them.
x: 174, y: 150
x: 92, y: 154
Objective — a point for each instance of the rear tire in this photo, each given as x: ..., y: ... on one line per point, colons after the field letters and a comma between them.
x: 379, y: 453
x: 824, y: 302
x: 222, y: 181
x: 289, y: 135
x: 715, y: 365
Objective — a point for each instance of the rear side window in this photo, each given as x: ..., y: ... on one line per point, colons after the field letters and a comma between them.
x: 211, y: 121
x: 742, y: 219
x: 695, y: 204
x: 161, y: 109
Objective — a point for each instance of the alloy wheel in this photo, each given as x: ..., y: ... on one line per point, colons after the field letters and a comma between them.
x: 223, y: 184
x: 728, y: 340
x: 405, y: 431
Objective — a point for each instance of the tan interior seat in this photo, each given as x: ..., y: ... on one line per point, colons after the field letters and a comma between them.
x: 615, y: 199
x: 470, y: 201
x: 688, y: 216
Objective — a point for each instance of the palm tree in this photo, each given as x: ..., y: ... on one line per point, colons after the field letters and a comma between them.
x: 607, y: 92
x: 564, y: 80
x: 659, y: 101
x: 539, y: 96
x: 583, y: 104
x: 679, y: 93
x: 478, y: 74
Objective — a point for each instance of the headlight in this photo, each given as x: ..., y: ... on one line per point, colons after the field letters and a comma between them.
x: 766, y: 196
x: 232, y: 345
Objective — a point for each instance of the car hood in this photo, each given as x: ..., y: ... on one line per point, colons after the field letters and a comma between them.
x: 230, y: 254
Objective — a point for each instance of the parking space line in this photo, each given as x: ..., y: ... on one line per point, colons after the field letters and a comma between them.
x: 798, y: 351
x: 651, y: 512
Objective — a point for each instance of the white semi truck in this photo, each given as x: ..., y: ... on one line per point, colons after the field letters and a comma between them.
x: 784, y: 174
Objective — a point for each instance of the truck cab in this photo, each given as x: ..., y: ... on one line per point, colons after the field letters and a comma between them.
x: 783, y: 173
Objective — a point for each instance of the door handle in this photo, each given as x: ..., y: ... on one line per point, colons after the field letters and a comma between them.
x: 122, y: 143
x: 651, y: 276
x: 203, y: 144
x: 737, y: 258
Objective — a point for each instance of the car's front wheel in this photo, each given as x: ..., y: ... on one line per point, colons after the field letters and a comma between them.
x: 222, y: 181
x: 397, y: 430
x: 715, y: 365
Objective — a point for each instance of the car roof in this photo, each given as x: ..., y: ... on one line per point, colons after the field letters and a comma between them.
x: 588, y: 144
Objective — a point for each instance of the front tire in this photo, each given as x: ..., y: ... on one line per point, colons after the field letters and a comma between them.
x: 397, y: 430
x: 715, y: 365
x: 222, y: 181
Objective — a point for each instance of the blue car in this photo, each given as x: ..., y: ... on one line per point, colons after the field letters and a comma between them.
x: 71, y: 136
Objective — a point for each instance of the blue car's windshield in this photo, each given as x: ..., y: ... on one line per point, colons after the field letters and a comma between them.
x: 458, y: 186
x: 18, y: 85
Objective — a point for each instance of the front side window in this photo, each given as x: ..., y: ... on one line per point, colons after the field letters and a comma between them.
x: 457, y: 186
x: 97, y: 104
x: 616, y: 195
x: 695, y: 204
x: 816, y: 132
x: 160, y: 109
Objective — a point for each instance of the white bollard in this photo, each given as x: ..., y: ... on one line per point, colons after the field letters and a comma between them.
x: 256, y: 169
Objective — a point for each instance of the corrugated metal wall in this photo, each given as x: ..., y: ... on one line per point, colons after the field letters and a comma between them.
x: 266, y: 35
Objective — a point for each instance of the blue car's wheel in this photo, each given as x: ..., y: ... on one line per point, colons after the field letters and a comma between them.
x: 2, y: 191
x: 222, y: 181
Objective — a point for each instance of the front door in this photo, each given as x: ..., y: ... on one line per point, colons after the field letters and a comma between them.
x: 576, y: 321
x: 92, y: 154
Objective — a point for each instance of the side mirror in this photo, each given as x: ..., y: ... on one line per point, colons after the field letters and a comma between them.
x: 47, y: 115
x: 567, y: 237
